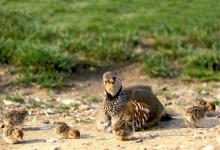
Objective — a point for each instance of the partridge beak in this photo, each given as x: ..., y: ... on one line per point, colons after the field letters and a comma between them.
x: 111, y: 81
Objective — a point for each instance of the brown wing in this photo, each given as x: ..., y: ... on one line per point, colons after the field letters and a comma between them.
x: 147, y: 97
x: 129, y: 90
x: 139, y: 112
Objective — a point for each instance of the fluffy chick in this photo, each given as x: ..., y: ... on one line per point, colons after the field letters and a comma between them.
x: 15, y: 117
x: 11, y: 135
x: 124, y: 127
x: 123, y: 130
x: 63, y: 131
x: 197, y: 112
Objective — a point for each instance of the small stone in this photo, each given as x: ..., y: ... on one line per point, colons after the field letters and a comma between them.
x: 199, y: 135
x: 204, y: 92
x: 52, y: 140
x: 83, y: 107
x: 6, y: 102
x: 37, y: 99
x: 139, y: 140
x: 46, y: 127
x: 48, y: 112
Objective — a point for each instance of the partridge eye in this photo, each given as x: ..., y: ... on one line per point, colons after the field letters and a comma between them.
x: 113, y: 78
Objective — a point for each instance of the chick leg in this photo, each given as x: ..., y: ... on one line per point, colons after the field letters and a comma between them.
x: 186, y: 122
x: 195, y: 125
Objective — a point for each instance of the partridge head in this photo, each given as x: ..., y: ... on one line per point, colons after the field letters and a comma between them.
x: 112, y: 83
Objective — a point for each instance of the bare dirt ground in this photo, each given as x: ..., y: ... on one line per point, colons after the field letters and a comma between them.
x: 84, y: 94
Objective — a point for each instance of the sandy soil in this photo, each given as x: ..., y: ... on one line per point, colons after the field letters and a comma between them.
x: 172, y: 135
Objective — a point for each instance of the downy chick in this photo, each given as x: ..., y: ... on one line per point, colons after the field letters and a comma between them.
x: 63, y: 131
x: 15, y: 117
x: 124, y: 127
x: 11, y: 135
x: 197, y: 112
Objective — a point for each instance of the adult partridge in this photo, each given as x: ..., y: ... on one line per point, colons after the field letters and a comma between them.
x: 140, y: 100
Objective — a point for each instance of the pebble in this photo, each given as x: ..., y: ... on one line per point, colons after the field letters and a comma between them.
x: 199, y: 135
x: 46, y: 127
x: 204, y: 92
x: 83, y: 107
x: 52, y: 140
x: 139, y: 140
x: 48, y: 112
x: 6, y: 102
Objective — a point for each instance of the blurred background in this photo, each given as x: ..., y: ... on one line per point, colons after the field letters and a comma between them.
x: 48, y: 41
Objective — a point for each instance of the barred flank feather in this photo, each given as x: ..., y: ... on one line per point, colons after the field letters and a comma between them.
x: 140, y: 112
x: 196, y: 113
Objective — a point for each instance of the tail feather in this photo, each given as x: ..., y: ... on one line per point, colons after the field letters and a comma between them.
x: 166, y: 117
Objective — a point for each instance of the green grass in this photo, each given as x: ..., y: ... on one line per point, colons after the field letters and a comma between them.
x: 62, y: 109
x: 217, y: 102
x: 15, y: 98
x: 49, y: 40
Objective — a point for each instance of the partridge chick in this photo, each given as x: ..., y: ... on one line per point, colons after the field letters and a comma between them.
x: 63, y: 131
x: 124, y: 130
x: 15, y: 117
x: 124, y: 127
x: 11, y: 135
x: 197, y: 112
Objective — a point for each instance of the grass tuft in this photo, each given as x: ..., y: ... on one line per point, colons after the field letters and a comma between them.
x: 15, y: 98
x: 159, y: 65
